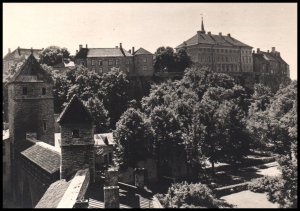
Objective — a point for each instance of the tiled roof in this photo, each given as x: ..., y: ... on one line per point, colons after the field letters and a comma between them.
x: 53, y: 195
x: 100, y: 139
x: 101, y: 52
x: 142, y: 51
x: 43, y: 155
x: 212, y: 39
x: 31, y: 71
x: 23, y: 52
x: 75, y: 112
x: 269, y: 57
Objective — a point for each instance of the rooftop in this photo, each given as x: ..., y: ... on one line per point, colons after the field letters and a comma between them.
x: 5, y: 134
x: 212, y: 39
x: 104, y: 139
x: 44, y: 155
x: 101, y: 52
x: 142, y: 51
x: 75, y: 112
x: 24, y: 52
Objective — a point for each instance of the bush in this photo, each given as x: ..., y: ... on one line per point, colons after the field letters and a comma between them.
x: 184, y: 195
x: 263, y: 184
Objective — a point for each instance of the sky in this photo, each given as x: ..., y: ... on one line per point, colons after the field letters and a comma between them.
x: 149, y: 25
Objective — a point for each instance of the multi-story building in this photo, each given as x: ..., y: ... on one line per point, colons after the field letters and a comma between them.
x: 270, y: 63
x: 102, y: 60
x: 220, y: 53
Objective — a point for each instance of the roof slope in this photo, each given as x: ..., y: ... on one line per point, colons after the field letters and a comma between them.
x: 101, y: 52
x: 142, y: 51
x: 54, y: 194
x: 31, y: 71
x: 43, y: 155
x: 75, y: 112
x: 23, y: 52
x: 103, y: 138
x: 212, y: 39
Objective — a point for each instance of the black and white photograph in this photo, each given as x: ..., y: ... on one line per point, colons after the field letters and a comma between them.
x: 149, y: 105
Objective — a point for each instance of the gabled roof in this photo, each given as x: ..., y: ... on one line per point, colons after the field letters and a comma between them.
x: 268, y: 56
x: 31, y: 71
x: 53, y: 194
x: 101, y: 52
x: 43, y: 155
x: 23, y: 52
x: 142, y: 51
x: 212, y: 39
x: 75, y: 112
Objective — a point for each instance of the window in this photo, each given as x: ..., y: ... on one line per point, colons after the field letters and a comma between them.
x: 93, y: 62
x: 75, y: 133
x: 110, y: 157
x: 44, y: 125
x: 43, y: 91
x: 24, y: 90
x: 144, y: 68
x: 100, y: 63
x: 101, y: 70
x: 145, y: 59
x: 117, y: 62
x: 110, y: 62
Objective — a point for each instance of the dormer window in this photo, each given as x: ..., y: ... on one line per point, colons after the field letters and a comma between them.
x: 75, y: 133
x: 24, y: 91
x: 43, y: 91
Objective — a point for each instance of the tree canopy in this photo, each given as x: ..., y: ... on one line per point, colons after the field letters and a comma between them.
x: 54, y: 55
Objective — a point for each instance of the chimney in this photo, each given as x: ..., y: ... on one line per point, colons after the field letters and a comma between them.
x: 111, y: 177
x: 9, y: 51
x: 133, y: 50
x: 80, y: 46
x: 258, y: 50
x: 129, y: 50
x: 111, y: 197
x: 268, y: 51
x: 76, y: 51
x: 120, y: 45
x: 209, y: 33
x: 139, y: 177
x: 220, y: 33
x: 253, y: 51
x: 273, y: 49
x: 117, y: 46
x: 86, y: 46
x: 229, y: 35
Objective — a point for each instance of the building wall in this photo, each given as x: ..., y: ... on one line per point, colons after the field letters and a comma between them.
x: 6, y: 166
x: 220, y: 58
x: 29, y: 113
x: 77, y: 153
x: 143, y: 65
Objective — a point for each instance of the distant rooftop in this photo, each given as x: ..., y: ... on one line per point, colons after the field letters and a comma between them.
x: 22, y: 52
x: 101, y: 52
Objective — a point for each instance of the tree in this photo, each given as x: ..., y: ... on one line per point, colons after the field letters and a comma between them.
x: 164, y: 59
x: 114, y: 90
x: 133, y: 137
x: 54, y: 55
x: 167, y: 138
x: 182, y: 60
x: 99, y: 113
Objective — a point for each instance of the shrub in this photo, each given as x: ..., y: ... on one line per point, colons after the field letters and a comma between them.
x: 263, y: 184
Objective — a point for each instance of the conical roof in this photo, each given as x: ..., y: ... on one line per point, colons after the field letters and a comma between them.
x: 75, y: 112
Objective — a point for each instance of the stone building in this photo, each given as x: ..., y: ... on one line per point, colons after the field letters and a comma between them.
x: 102, y: 60
x: 220, y: 53
x: 18, y: 55
x: 270, y: 63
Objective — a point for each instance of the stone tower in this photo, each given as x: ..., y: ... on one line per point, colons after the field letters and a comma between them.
x: 77, y: 139
x: 30, y: 104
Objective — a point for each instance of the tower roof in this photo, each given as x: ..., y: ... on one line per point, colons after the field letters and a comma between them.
x: 75, y: 112
x: 31, y: 71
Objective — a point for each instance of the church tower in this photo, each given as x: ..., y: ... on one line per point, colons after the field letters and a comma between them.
x: 30, y: 104
x: 77, y: 139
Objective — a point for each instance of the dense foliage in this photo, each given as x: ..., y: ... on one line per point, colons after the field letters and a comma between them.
x: 54, y: 55
x: 166, y: 60
x: 184, y: 195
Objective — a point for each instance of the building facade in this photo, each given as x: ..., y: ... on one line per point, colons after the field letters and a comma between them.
x: 219, y: 53
x: 102, y: 60
x: 270, y: 62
